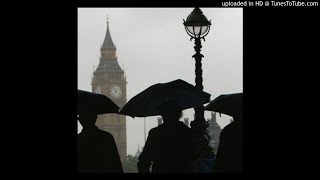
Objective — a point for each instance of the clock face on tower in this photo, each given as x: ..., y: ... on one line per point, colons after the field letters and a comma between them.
x: 115, y: 91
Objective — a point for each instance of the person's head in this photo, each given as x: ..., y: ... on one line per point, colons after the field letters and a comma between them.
x: 87, y: 119
x: 170, y: 112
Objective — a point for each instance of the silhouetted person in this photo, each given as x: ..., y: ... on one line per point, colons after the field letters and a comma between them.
x: 168, y: 147
x: 97, y: 151
x: 229, y: 157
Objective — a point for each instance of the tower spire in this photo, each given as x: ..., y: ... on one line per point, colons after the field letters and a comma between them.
x: 108, y: 43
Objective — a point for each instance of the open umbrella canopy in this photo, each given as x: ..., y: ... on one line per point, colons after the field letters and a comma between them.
x: 95, y: 103
x: 149, y: 101
x: 230, y: 104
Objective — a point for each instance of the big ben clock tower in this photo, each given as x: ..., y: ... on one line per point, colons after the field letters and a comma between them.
x: 109, y: 79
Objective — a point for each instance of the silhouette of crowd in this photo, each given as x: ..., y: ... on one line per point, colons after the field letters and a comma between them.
x: 170, y: 147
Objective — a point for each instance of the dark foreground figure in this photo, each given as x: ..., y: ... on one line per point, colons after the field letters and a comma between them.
x: 169, y: 147
x: 229, y: 158
x: 97, y: 151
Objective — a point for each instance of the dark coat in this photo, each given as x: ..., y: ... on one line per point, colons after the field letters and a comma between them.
x: 97, y: 152
x: 229, y: 157
x: 169, y: 149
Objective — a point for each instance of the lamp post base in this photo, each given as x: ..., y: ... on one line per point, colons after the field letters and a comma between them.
x: 201, y: 137
x: 205, y: 154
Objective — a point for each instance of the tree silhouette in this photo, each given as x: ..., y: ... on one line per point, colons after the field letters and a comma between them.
x: 130, y: 164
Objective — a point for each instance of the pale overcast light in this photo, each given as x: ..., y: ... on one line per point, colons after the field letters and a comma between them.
x: 153, y: 47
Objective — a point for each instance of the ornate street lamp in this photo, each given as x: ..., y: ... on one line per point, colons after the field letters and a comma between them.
x: 197, y: 27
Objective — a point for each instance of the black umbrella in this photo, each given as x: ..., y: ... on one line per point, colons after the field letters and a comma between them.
x: 149, y: 101
x: 230, y: 104
x: 95, y: 103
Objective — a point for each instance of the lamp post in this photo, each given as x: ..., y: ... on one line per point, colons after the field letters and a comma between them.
x: 197, y: 27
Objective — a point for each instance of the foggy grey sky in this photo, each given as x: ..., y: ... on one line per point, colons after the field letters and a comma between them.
x: 153, y: 47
